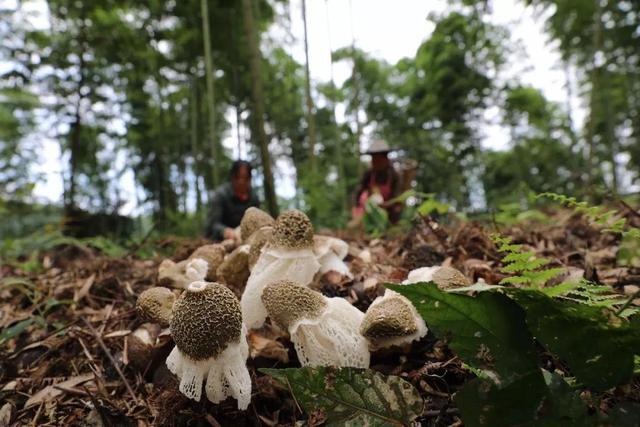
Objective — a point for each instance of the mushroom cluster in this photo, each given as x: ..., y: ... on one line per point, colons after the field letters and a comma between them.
x: 272, y: 268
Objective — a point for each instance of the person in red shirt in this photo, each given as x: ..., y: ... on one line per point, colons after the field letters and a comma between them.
x: 380, y: 183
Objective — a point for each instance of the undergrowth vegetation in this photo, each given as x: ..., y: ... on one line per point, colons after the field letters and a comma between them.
x: 542, y: 348
x: 504, y: 334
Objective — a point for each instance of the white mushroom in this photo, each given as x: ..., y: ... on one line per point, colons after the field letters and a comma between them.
x: 324, y: 331
x: 288, y: 256
x: 156, y: 305
x: 196, y: 270
x: 210, y: 343
x: 444, y: 277
x: 392, y: 320
x: 253, y: 220
x: 331, y: 252
x: 175, y: 275
x: 256, y: 242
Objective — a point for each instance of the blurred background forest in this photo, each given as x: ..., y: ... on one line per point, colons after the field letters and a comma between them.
x: 150, y: 101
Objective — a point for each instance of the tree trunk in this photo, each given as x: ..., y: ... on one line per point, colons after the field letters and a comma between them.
x: 258, y: 104
x: 356, y: 103
x: 76, y: 128
x: 600, y: 99
x: 75, y: 142
x: 194, y: 140
x: 602, y: 94
x: 576, y: 175
x: 211, y: 105
x: 342, y: 182
x: 168, y: 201
x: 311, y: 123
x: 356, y: 92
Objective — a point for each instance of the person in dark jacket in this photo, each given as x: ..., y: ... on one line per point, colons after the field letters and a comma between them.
x: 229, y: 202
x: 380, y: 183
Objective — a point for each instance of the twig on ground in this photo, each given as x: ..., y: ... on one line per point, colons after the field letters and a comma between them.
x: 111, y: 359
x: 436, y: 412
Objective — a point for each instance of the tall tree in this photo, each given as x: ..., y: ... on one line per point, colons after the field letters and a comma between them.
x: 332, y: 98
x: 599, y: 39
x: 215, y: 151
x: 17, y: 106
x: 311, y: 122
x: 255, y: 58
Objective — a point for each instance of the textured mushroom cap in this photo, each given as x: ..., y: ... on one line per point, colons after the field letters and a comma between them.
x: 213, y: 255
x: 253, y: 220
x: 206, y: 318
x: 287, y: 302
x: 392, y: 317
x: 155, y: 304
x: 444, y: 277
x: 256, y: 243
x: 449, y: 277
x: 234, y: 271
x: 293, y: 230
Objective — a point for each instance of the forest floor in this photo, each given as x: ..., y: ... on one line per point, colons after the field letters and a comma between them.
x: 72, y: 350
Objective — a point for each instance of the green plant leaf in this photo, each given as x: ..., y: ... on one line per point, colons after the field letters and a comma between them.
x: 626, y: 414
x: 563, y: 405
x: 351, y: 397
x: 487, y: 331
x: 375, y: 220
x: 560, y: 289
x: 15, y: 330
x: 598, y: 346
x: 482, y: 403
x: 106, y: 246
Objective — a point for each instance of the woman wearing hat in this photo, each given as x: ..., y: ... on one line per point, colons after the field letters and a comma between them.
x: 380, y: 183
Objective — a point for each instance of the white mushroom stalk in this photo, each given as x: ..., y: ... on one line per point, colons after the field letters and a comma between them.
x: 288, y: 256
x: 324, y: 331
x: 256, y: 242
x: 196, y: 270
x: 331, y: 252
x: 210, y: 344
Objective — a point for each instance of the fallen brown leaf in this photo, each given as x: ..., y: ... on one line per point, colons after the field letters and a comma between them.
x: 84, y: 290
x: 50, y: 392
x: 267, y: 348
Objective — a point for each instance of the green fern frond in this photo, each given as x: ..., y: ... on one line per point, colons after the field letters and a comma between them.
x: 585, y: 292
x: 611, y: 220
x: 527, y: 269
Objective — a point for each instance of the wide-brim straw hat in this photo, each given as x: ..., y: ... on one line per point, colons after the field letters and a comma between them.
x: 379, y: 146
